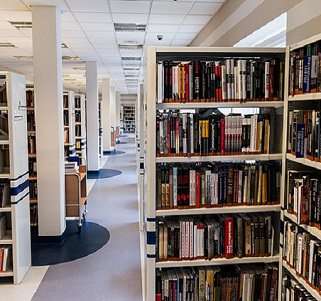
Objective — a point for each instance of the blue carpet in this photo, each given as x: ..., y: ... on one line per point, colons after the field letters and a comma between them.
x: 103, y: 173
x: 73, y: 246
x: 109, y: 153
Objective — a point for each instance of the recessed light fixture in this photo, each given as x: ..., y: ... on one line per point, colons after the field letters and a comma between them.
x: 129, y: 27
x: 6, y: 44
x: 21, y: 24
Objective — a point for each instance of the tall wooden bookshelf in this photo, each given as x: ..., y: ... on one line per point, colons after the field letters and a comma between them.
x: 129, y: 118
x: 32, y: 156
x: 300, y: 96
x: 69, y: 124
x: 14, y: 210
x: 154, y: 215
x: 100, y: 130
x: 80, y: 127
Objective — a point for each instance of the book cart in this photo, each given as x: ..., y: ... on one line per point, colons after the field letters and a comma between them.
x: 15, y: 246
x: 80, y: 127
x: 301, y: 236
x: 155, y: 107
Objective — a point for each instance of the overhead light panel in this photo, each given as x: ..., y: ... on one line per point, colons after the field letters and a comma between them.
x: 70, y: 58
x: 6, y: 44
x: 21, y: 24
x: 129, y: 27
x: 130, y: 47
x: 131, y: 58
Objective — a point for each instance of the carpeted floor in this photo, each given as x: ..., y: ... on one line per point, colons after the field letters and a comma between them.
x: 113, y: 272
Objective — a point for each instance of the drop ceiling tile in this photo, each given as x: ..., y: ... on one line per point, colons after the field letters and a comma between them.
x: 184, y: 36
x: 205, y: 8
x: 132, y: 7
x: 93, y: 17
x: 131, y: 52
x: 173, y: 7
x: 103, y: 35
x: 130, y: 18
x: 97, y: 27
x: 196, y: 19
x: 108, y: 52
x: 59, y: 3
x: 99, y: 6
x: 12, y: 5
x: 190, y: 28
x: 166, y: 19
x: 181, y: 42
x: 162, y: 28
x: 76, y: 33
x: 10, y: 33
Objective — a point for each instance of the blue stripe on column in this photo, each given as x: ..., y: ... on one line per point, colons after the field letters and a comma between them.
x: 18, y: 201
x: 18, y: 189
x: 151, y: 238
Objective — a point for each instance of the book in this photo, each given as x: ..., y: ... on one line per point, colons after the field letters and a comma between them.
x: 215, y: 237
x: 191, y: 133
x: 293, y: 291
x: 215, y: 284
x: 217, y: 184
x: 220, y: 80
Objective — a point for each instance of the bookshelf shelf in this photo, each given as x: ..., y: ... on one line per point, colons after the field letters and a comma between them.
x: 6, y: 240
x: 80, y: 127
x: 6, y: 274
x: 224, y: 158
x: 3, y: 108
x: 302, y: 281
x: 5, y: 209
x: 306, y: 97
x: 312, y: 230
x: 4, y: 175
x: 304, y: 161
x: 218, y: 210
x: 206, y: 105
x: 216, y: 262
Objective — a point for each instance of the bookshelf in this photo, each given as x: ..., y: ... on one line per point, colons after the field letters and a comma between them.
x: 100, y: 134
x: 302, y: 165
x: 32, y: 156
x: 129, y: 118
x: 69, y: 124
x: 162, y: 160
x: 80, y: 127
x: 15, y: 245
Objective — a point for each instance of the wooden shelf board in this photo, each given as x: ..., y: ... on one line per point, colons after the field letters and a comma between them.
x: 200, y: 105
x: 312, y: 230
x: 33, y: 178
x: 304, y: 161
x: 3, y: 108
x: 6, y: 240
x: 4, y: 175
x: 4, y: 142
x: 5, y: 209
x: 32, y: 155
x: 6, y: 274
x: 302, y: 281
x: 306, y: 96
x: 33, y: 201
x: 219, y: 158
x: 217, y: 261
x: 219, y: 210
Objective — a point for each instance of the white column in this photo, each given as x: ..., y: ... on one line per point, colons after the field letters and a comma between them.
x: 106, y: 114
x: 48, y: 85
x: 92, y: 117
x: 118, y: 109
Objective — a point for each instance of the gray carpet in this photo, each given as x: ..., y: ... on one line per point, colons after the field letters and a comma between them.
x: 113, y: 272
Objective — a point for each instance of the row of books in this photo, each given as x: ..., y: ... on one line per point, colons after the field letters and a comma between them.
x: 66, y: 101
x: 305, y: 69
x: 222, y: 236
x: 4, y: 130
x: 192, y: 133
x: 304, y: 134
x: 32, y: 167
x: 5, y: 259
x: 78, y: 130
x: 66, y: 118
x: 4, y: 194
x: 302, y: 252
x: 33, y: 190
x: 30, y: 99
x: 215, y: 284
x: 66, y: 135
x: 205, y: 185
x: 77, y: 116
x: 293, y: 291
x: 31, y: 126
x: 77, y: 102
x: 4, y: 159
x: 33, y: 215
x: 5, y: 225
x: 229, y: 79
x: 31, y: 144
x: 304, y: 197
x: 3, y: 91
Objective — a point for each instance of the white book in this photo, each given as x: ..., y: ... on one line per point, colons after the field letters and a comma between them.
x: 187, y: 239
x: 232, y: 79
x: 239, y: 196
x: 267, y: 80
x: 298, y: 264
x: 228, y: 79
x: 238, y: 86
x: 184, y: 122
x: 224, y: 85
x: 191, y: 118
x: 311, y: 255
x: 5, y: 260
x: 195, y: 242
x: 175, y: 186
x: 165, y: 242
x: 191, y: 239
x: 243, y: 79
x: 212, y: 177
x: 202, y: 242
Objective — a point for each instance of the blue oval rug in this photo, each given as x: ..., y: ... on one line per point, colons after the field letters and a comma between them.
x: 73, y: 246
x: 103, y: 174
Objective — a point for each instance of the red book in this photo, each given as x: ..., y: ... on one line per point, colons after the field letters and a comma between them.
x: 1, y: 259
x: 220, y: 97
x: 186, y: 79
x: 228, y: 237
x: 222, y: 134
x: 198, y: 190
x: 159, y: 297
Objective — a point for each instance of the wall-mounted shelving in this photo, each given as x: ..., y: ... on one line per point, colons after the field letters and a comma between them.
x: 128, y: 118
x: 80, y: 127
x: 69, y: 124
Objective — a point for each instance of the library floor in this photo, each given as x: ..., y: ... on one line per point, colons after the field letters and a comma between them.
x: 113, y: 272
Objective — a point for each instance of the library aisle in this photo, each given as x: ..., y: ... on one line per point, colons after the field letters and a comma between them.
x: 113, y: 272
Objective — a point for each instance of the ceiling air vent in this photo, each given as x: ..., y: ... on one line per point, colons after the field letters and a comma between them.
x: 6, y: 45
x: 131, y: 68
x: 130, y: 47
x: 21, y: 24
x: 129, y: 27
x: 131, y: 58
x: 23, y: 57
x: 70, y: 58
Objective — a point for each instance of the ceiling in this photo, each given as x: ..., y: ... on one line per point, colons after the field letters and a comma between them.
x: 89, y: 33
